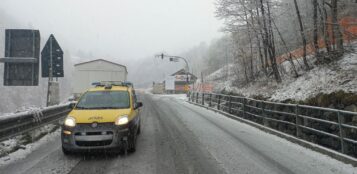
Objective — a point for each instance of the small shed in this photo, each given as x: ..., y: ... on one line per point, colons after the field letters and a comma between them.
x: 183, y: 80
x: 96, y: 71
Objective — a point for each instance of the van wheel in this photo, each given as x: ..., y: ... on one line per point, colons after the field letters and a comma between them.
x: 124, y: 149
x: 132, y: 143
x: 65, y: 151
x: 139, y: 129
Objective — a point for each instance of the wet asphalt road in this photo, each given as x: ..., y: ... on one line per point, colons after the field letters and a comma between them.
x: 177, y: 137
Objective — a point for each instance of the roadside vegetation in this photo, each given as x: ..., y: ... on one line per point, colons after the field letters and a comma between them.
x: 270, y: 45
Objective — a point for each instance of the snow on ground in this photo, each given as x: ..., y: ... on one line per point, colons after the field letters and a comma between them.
x: 35, y: 111
x: 221, y: 73
x: 182, y: 97
x: 24, y: 111
x: 17, y: 110
x: 339, y: 75
x: 27, y: 149
x: 12, y: 144
x: 147, y: 90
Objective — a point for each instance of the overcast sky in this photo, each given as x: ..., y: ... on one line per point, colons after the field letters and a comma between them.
x: 122, y: 29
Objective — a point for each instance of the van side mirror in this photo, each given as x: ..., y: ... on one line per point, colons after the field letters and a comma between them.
x: 72, y: 105
x: 139, y: 105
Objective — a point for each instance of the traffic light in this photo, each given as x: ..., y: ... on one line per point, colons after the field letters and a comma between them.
x: 174, y: 59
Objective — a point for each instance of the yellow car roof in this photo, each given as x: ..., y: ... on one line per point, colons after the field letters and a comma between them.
x: 114, y: 88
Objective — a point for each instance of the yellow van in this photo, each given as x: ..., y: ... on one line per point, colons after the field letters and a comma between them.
x: 105, y: 117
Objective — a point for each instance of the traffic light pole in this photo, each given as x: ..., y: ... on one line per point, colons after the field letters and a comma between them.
x: 178, y: 57
x: 188, y: 69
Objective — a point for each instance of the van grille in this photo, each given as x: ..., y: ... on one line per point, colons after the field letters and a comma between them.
x: 94, y: 133
x: 93, y: 143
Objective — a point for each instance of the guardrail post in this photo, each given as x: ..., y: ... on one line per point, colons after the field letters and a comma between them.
x: 219, y: 102
x: 193, y: 97
x: 210, y: 100
x: 297, y: 122
x: 230, y: 104
x: 203, y: 99
x: 197, y: 94
x: 244, y: 107
x: 265, y: 123
x: 341, y: 120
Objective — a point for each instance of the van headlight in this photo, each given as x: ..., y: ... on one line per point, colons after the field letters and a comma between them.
x: 70, y: 122
x: 122, y: 120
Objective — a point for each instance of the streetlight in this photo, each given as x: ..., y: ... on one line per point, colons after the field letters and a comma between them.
x: 176, y: 59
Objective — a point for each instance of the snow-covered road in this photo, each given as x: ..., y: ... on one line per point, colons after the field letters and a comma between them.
x: 178, y: 137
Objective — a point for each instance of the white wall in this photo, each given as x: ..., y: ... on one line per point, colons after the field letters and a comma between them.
x: 86, y: 74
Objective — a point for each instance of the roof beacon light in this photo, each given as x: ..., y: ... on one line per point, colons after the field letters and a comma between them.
x: 96, y: 83
x: 108, y: 86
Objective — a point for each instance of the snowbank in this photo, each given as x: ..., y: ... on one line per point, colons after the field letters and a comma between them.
x: 29, y: 110
x: 15, y: 150
x: 339, y: 75
x: 181, y: 97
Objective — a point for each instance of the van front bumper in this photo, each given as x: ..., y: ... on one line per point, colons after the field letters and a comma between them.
x: 88, y: 137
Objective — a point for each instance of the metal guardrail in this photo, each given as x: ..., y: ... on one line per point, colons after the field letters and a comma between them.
x: 305, y: 122
x: 19, y: 123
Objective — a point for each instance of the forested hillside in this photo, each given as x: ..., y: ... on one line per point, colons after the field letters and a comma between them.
x: 273, y: 41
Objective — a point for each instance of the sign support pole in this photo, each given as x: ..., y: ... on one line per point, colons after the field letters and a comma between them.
x: 50, y: 74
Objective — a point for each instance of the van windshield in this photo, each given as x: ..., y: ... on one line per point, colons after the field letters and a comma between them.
x: 104, y: 100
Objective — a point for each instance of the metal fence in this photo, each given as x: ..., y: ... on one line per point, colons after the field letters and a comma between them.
x: 331, y: 128
x: 16, y: 124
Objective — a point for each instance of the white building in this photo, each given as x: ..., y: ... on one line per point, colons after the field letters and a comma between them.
x: 96, y: 71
